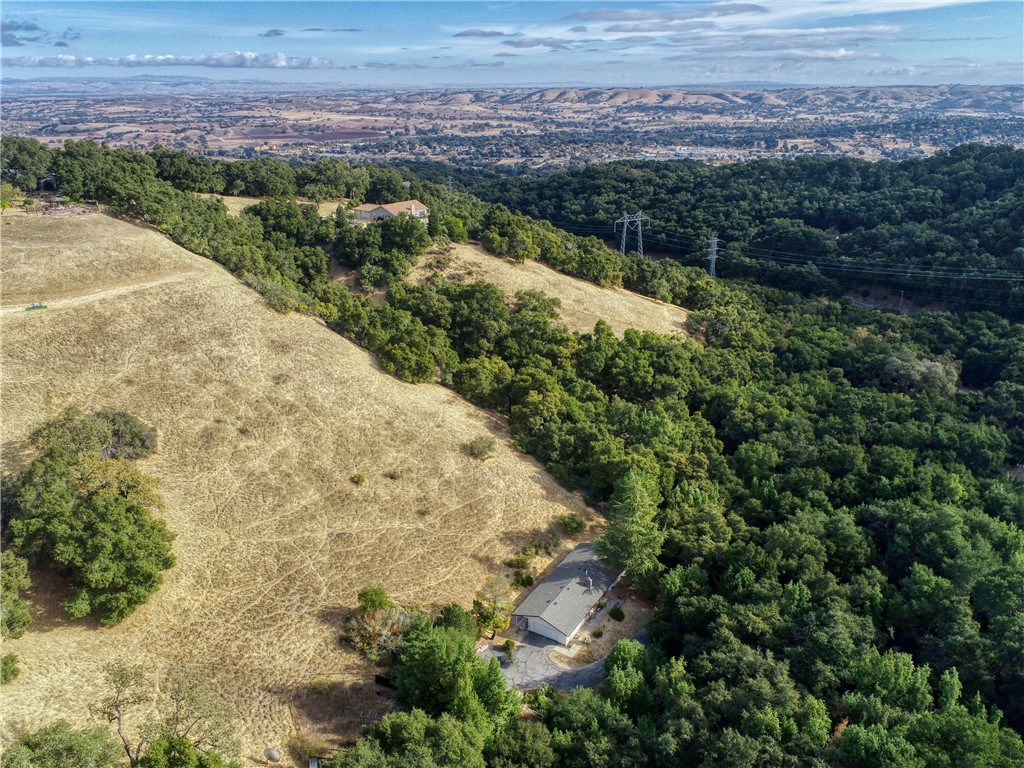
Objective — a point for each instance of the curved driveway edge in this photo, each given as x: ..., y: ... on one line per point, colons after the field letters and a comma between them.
x: 533, y: 666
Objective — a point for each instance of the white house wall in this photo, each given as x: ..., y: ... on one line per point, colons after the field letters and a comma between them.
x: 541, y: 627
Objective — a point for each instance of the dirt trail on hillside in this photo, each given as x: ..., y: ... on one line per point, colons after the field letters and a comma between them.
x: 100, y: 295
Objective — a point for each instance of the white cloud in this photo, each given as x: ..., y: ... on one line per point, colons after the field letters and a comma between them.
x: 663, y: 26
x: 236, y: 60
x: 669, y: 13
x: 732, y: 15
x: 480, y: 33
x: 551, y: 43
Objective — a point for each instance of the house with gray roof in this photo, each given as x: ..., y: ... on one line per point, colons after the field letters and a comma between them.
x: 558, y: 606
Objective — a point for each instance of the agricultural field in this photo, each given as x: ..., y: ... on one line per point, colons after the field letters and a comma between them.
x: 583, y: 303
x: 293, y: 470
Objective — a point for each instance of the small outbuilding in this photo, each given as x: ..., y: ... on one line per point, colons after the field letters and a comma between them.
x: 560, y: 605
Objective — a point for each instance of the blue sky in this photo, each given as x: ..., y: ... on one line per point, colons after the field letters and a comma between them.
x: 434, y: 43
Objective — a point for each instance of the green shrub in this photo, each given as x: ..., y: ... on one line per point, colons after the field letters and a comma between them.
x: 14, y: 612
x: 371, y: 276
x: 481, y: 447
x: 545, y: 539
x: 9, y: 668
x: 374, y: 599
x: 572, y: 523
x: 73, y: 432
x: 131, y: 438
x: 541, y: 699
x: 114, y: 434
x: 358, y: 478
x: 522, y: 579
x: 281, y: 294
x: 616, y: 613
x: 522, y: 559
x: 321, y: 687
x: 454, y: 616
x: 597, y: 633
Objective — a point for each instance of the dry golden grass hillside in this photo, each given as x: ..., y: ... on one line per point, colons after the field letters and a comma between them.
x: 236, y: 204
x: 262, y: 420
x: 583, y: 303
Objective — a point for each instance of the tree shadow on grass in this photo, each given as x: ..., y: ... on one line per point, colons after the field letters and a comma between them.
x: 46, y: 598
x: 18, y: 454
x: 335, y: 616
x: 332, y: 712
x: 489, y: 562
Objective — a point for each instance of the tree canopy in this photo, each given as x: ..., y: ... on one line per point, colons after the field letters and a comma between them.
x: 92, y: 515
x: 816, y: 494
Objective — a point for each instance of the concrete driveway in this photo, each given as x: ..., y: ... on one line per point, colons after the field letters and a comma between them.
x: 533, y: 666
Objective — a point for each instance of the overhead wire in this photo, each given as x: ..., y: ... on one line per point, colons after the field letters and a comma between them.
x: 843, y: 271
x: 786, y: 257
x: 790, y: 258
x: 887, y: 270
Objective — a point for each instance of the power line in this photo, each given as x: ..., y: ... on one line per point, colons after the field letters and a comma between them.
x: 632, y: 221
x: 790, y: 257
x: 691, y: 247
x: 885, y: 269
x: 995, y: 297
x: 794, y: 259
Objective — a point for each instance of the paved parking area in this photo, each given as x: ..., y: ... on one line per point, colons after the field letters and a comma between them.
x: 533, y: 666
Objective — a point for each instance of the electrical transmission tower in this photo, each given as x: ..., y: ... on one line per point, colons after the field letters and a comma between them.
x: 628, y: 222
x: 712, y: 254
x: 450, y: 183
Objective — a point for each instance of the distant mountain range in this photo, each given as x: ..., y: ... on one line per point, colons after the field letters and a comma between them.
x: 998, y: 99
x: 1007, y: 99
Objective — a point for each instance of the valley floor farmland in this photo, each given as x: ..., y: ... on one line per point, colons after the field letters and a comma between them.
x: 262, y: 420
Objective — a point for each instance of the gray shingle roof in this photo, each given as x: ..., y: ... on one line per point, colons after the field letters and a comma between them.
x: 563, y: 599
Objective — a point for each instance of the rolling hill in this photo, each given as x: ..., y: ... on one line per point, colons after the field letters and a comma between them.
x: 583, y: 302
x: 262, y: 421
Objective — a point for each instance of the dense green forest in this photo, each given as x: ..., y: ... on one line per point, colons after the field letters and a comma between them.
x: 817, y: 495
x: 947, y: 228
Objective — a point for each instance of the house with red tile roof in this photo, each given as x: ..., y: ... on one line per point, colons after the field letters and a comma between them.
x: 377, y: 211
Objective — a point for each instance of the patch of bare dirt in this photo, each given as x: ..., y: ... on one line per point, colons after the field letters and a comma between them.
x: 637, y: 612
